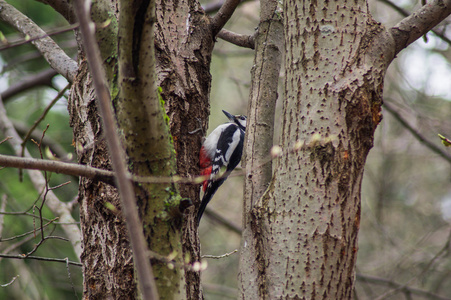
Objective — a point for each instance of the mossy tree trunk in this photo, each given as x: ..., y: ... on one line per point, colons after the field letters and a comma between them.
x: 129, y: 60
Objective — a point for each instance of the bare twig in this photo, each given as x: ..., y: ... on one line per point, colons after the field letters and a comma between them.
x: 223, y: 15
x: 170, y: 261
x: 62, y: 260
x: 57, y: 167
x: 397, y: 286
x: 64, y: 7
x: 405, y: 13
x: 44, y: 197
x: 108, y: 176
x: 54, y: 146
x: 26, y: 233
x: 215, y: 217
x: 128, y: 201
x: 70, y: 277
x: 41, y: 117
x: 9, y: 283
x: 2, y: 209
x: 220, y: 256
x: 419, y: 23
x: 54, y: 55
x: 416, y: 134
x: 21, y: 42
x: 242, y: 40
x: 39, y: 79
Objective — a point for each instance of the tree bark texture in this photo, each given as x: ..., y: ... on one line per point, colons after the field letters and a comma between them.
x: 148, y: 143
x: 109, y: 271
x: 183, y: 46
x: 260, y: 126
x: 302, y: 234
x: 107, y: 258
x: 183, y: 50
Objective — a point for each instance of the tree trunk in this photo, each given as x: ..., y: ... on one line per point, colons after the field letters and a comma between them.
x: 302, y: 234
x: 183, y: 52
x: 107, y: 258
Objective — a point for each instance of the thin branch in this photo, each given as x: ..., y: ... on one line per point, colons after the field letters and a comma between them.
x: 57, y: 167
x: 416, y: 134
x: 220, y: 256
x: 26, y: 233
x: 64, y: 7
x: 242, y: 40
x: 215, y: 217
x: 44, y: 197
x: 53, y: 145
x: 171, y: 261
x: 62, y: 260
x: 43, y: 78
x: 2, y: 209
x: 14, y: 246
x: 419, y: 23
x: 212, y: 7
x: 108, y: 176
x: 42, y: 116
x: 70, y: 278
x: 54, y: 55
x: 146, y: 279
x: 397, y: 286
x: 223, y: 15
x: 9, y: 283
x: 405, y: 13
x: 20, y: 42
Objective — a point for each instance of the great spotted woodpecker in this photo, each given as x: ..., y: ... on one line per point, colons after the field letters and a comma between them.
x: 222, y: 148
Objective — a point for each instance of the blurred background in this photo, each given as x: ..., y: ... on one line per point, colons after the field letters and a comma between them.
x: 405, y: 235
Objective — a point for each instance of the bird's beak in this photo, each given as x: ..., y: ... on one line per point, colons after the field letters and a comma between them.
x: 231, y: 117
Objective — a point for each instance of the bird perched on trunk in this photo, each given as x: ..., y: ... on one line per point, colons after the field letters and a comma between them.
x: 222, y: 148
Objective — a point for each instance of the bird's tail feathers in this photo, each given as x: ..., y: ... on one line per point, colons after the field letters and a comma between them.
x: 211, y: 190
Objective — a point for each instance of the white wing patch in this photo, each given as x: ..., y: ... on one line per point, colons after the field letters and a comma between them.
x: 232, y: 145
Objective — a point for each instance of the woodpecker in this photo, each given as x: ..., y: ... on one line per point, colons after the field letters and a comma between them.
x: 222, y: 148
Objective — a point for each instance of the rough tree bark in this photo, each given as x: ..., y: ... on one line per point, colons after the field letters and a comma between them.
x: 107, y: 260
x: 300, y: 237
x: 183, y: 45
x: 184, y: 42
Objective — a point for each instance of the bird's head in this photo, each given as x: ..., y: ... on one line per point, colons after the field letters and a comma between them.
x: 239, y: 120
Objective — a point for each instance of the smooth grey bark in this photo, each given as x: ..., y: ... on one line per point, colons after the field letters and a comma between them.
x: 300, y: 237
x: 259, y: 133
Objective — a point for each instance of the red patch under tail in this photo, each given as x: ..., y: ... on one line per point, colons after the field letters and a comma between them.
x: 205, y: 166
